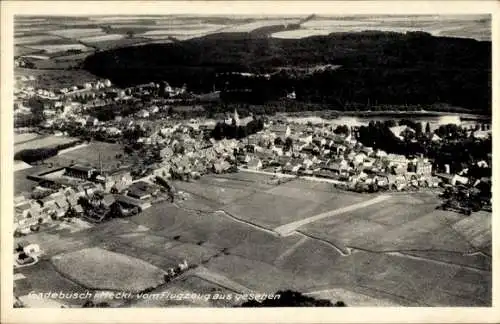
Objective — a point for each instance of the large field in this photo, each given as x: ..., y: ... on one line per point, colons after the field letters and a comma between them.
x: 100, y: 269
x: 470, y: 26
x: 37, y: 142
x: 90, y: 154
x: 398, y: 251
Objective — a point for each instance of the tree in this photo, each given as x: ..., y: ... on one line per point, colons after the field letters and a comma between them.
x: 288, y: 144
x: 289, y: 298
x: 427, y: 128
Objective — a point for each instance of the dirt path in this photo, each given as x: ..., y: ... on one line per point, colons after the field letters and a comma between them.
x: 220, y: 280
x: 290, y: 250
x: 287, y: 229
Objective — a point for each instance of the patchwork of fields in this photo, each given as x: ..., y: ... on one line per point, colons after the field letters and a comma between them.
x: 401, y: 250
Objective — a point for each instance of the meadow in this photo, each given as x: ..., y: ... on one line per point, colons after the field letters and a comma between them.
x: 43, y: 142
x: 91, y: 155
x: 99, y: 269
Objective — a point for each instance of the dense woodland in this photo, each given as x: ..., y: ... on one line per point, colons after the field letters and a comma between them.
x: 377, y: 68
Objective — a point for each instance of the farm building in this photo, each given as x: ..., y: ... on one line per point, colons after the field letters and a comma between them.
x: 78, y: 171
x: 130, y: 201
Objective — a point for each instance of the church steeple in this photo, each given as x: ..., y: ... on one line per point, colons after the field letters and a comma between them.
x: 236, y: 118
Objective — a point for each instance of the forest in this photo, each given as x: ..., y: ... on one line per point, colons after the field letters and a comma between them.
x: 375, y: 69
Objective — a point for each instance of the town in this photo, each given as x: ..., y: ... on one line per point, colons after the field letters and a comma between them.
x: 161, y: 149
x: 301, y: 159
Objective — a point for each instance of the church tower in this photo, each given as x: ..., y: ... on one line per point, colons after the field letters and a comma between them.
x: 236, y: 118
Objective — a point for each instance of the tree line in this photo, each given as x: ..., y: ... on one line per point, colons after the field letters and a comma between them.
x: 377, y: 68
x: 34, y: 155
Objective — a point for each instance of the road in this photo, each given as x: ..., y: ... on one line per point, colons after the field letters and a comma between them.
x: 287, y: 229
x: 284, y: 175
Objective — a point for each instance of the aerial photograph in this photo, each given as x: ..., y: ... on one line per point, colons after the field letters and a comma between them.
x: 252, y: 161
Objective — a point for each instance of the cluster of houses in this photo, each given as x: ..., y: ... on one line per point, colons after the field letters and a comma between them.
x: 319, y: 152
x: 99, y: 193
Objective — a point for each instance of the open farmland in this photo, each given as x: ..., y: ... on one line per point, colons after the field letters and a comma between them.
x: 20, y: 138
x: 289, y: 202
x: 22, y: 50
x: 237, y: 254
x: 89, y: 155
x: 43, y: 142
x: 39, y: 39
x: 444, y: 26
x: 395, y: 224
x: 100, y: 38
x: 57, y: 79
x: 77, y: 32
x: 103, y: 270
x: 50, y: 49
x: 52, y: 281
x: 251, y: 26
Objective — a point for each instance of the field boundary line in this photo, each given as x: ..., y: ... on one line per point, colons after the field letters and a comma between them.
x: 414, y: 257
x: 239, y: 220
x: 344, y: 251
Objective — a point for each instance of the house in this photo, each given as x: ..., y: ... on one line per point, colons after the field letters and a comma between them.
x: 435, y: 138
x: 23, y: 210
x: 382, y: 180
x: 481, y: 134
x: 92, y: 121
x: 334, y: 168
x: 424, y: 167
x: 396, y: 182
x: 401, y: 131
x: 359, y: 158
x: 130, y: 201
x: 221, y: 166
x: 166, y: 152
x: 433, y: 182
x: 143, y: 114
x: 255, y: 164
x: 452, y: 179
x: 47, y: 201
x: 380, y: 154
x: 18, y: 200
x: 397, y: 160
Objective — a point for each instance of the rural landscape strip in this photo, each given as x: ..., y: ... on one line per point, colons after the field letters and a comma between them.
x: 404, y: 255
x: 287, y: 229
x: 290, y: 250
x: 220, y: 280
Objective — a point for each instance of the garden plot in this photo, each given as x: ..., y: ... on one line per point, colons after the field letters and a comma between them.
x: 104, y: 270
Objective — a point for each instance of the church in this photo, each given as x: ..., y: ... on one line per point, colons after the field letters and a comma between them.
x: 235, y: 119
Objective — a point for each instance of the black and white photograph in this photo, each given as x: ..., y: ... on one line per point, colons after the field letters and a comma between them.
x: 241, y: 160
